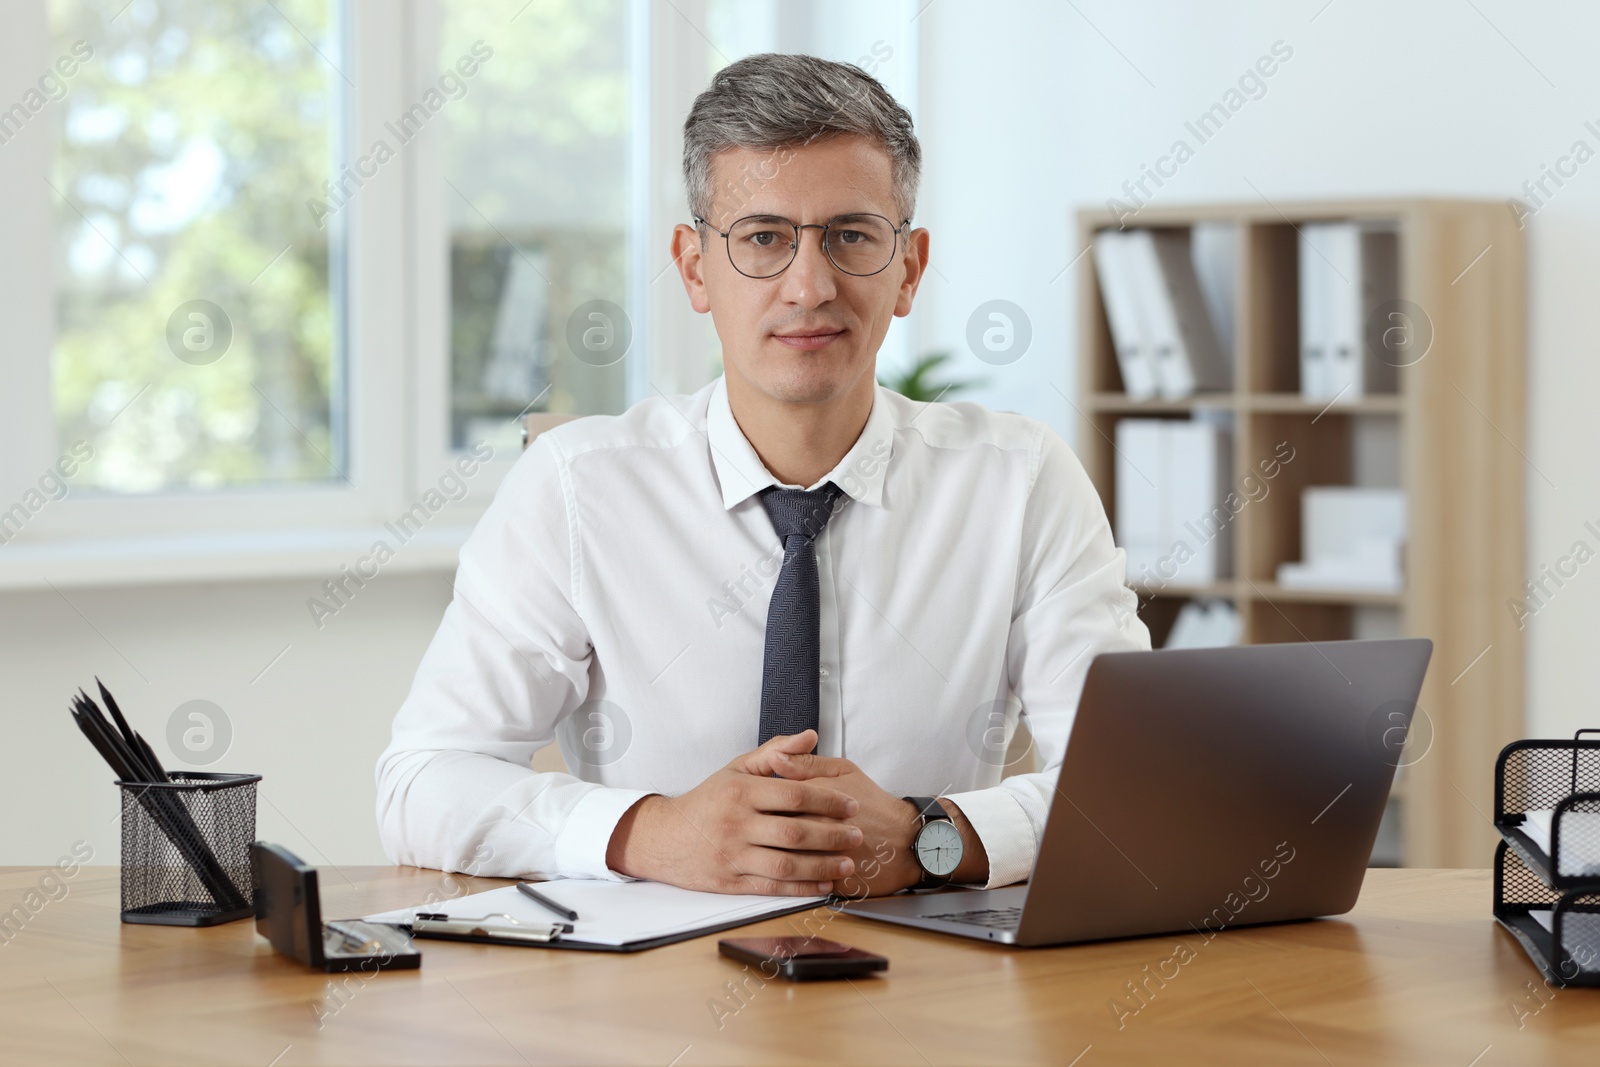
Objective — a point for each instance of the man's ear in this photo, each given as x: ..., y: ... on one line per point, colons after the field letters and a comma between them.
x: 915, y: 260
x: 687, y: 256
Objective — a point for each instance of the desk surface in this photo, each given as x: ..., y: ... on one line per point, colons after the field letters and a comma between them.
x: 1417, y: 974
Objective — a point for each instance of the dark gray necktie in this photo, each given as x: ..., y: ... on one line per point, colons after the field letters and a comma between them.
x: 789, y: 687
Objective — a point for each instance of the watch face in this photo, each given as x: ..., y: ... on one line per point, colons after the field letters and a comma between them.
x: 939, y: 847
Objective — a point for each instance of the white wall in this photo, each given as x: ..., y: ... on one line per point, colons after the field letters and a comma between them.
x: 1031, y: 110
x: 1026, y: 113
x: 312, y: 725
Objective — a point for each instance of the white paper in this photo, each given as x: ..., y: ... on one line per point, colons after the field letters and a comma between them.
x: 1335, y: 518
x: 1580, y: 936
x: 1580, y: 838
x: 1372, y: 566
x: 612, y: 913
x: 1205, y: 624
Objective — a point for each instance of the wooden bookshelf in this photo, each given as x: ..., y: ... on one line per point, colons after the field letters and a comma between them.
x: 1458, y: 419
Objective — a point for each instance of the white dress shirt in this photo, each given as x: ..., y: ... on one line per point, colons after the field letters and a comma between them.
x: 614, y: 599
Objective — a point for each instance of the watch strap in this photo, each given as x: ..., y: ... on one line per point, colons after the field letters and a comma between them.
x: 928, y: 807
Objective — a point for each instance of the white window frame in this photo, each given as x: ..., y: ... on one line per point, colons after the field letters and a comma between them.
x: 379, y: 460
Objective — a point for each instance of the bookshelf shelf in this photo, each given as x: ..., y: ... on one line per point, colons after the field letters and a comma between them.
x: 1228, y: 589
x: 1277, y: 403
x: 1449, y: 437
x: 1223, y: 589
x: 1294, y: 404
x: 1273, y: 592
x: 1119, y: 402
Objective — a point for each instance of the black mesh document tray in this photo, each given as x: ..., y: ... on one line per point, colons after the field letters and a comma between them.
x: 1547, y: 807
x: 1547, y: 867
x: 1560, y: 931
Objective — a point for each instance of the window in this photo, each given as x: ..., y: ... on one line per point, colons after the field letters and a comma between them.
x: 198, y: 281
x: 261, y: 322
x: 535, y: 190
x: 559, y: 186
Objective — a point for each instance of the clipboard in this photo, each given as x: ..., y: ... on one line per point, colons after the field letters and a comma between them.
x: 607, y: 915
x: 484, y: 933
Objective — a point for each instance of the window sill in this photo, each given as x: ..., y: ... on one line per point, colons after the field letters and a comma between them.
x: 316, y: 553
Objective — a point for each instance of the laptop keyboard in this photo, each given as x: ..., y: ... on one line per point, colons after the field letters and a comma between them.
x: 998, y: 918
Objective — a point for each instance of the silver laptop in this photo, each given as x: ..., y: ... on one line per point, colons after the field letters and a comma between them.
x: 1204, y: 789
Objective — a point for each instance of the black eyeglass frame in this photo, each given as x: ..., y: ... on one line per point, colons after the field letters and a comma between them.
x: 799, y: 231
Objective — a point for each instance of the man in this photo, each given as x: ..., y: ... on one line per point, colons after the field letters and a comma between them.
x: 694, y: 595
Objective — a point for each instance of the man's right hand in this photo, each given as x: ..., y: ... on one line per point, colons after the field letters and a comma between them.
x: 742, y: 831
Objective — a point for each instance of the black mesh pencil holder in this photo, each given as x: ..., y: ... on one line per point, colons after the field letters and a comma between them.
x: 1547, y: 867
x: 186, y: 849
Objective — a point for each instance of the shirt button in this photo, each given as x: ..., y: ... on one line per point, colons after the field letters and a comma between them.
x: 822, y: 671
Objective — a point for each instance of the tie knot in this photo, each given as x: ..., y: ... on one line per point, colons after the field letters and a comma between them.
x: 800, y: 511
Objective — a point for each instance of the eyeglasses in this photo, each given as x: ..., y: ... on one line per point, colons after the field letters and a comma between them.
x: 763, y: 246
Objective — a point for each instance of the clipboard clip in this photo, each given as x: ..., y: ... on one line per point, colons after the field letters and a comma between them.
x: 498, y: 926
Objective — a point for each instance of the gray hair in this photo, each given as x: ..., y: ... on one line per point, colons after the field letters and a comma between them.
x: 778, y: 101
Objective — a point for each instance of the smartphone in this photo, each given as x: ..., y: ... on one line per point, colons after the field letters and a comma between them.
x: 801, y: 959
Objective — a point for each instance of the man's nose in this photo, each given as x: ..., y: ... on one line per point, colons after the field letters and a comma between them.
x: 810, y: 281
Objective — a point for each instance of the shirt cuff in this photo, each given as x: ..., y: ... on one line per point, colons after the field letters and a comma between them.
x: 581, y: 845
x: 1003, y: 827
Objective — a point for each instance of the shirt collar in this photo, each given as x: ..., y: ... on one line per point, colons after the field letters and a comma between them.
x: 741, y: 473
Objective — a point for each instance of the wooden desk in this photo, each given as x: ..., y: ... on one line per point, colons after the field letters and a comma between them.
x: 1417, y: 974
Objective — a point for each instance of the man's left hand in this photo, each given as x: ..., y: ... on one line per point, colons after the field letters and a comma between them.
x: 885, y: 862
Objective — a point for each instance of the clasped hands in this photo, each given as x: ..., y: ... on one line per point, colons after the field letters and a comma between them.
x: 821, y: 826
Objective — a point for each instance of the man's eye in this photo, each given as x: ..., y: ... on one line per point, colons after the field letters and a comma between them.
x: 764, y: 238
x: 853, y: 237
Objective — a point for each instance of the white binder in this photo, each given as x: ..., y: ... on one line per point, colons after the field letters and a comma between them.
x: 1348, y: 270
x: 1172, y: 519
x: 1314, y: 275
x: 1187, y: 355
x: 1129, y: 333
x: 1346, y: 366
x: 1140, y: 480
x: 1197, y: 487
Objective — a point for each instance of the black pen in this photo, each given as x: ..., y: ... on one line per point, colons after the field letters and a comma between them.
x: 533, y: 894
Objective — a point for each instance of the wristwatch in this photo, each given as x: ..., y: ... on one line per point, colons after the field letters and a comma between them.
x: 937, y: 845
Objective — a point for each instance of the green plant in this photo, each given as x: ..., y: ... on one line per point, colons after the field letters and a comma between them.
x: 918, y: 383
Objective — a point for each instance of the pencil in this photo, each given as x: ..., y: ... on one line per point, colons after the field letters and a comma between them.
x: 533, y: 894
x: 135, y: 763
